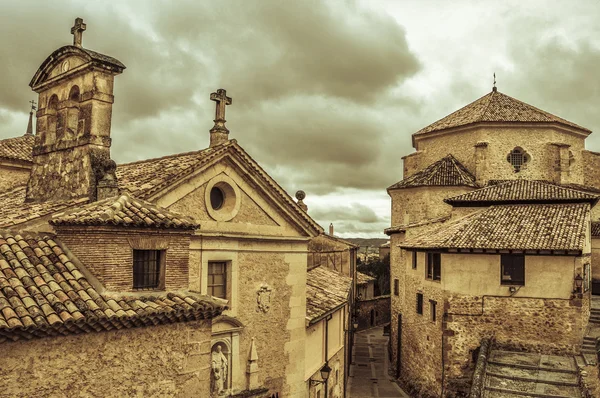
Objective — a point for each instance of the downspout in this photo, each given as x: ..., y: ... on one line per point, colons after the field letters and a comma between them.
x: 326, y: 348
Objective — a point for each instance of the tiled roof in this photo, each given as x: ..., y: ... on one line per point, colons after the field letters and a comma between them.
x: 124, y: 211
x: 596, y: 228
x: 43, y: 293
x: 147, y: 177
x: 496, y: 107
x: 403, y: 227
x: 447, y: 171
x: 363, y: 279
x: 17, y: 148
x: 14, y: 210
x: 325, y: 291
x: 521, y: 191
x: 517, y: 227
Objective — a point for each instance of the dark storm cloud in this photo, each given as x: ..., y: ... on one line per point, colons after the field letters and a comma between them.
x: 313, y: 81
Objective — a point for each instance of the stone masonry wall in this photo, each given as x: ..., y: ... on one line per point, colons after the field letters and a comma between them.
x: 331, y: 253
x: 591, y: 170
x: 166, y: 361
x: 536, y: 141
x: 379, y: 307
x: 537, y: 325
x: 12, y: 177
x: 108, y: 253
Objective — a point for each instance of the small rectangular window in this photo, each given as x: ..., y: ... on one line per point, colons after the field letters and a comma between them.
x: 420, y: 303
x: 432, y: 310
x: 414, y: 260
x: 217, y: 279
x: 146, y: 269
x: 433, y: 269
x: 512, y: 269
x: 396, y: 287
x: 586, y: 277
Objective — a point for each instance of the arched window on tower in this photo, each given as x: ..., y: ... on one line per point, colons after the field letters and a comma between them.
x: 72, y: 113
x: 518, y: 159
x: 49, y: 136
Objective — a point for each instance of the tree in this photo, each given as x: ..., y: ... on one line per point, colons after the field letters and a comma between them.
x: 379, y: 269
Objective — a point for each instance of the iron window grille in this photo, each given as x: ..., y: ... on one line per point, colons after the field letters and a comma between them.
x: 146, y: 269
x: 512, y: 269
x: 434, y: 266
x: 517, y: 158
x: 420, y: 303
x: 217, y: 279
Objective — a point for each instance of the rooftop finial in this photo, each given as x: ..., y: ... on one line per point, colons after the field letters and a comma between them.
x: 30, y: 124
x: 494, y: 89
x: 219, y: 133
x: 77, y: 31
x: 300, y: 196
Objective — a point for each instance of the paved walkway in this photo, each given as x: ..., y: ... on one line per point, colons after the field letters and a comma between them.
x: 369, y: 369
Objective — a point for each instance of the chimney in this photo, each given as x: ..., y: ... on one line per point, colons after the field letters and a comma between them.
x: 481, y: 149
x: 331, y: 229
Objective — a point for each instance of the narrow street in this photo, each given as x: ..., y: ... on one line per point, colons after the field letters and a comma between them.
x: 369, y: 369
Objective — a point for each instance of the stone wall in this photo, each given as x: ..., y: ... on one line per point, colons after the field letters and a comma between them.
x: 591, y: 171
x: 107, y: 252
x: 166, y: 361
x: 11, y: 177
x: 537, y: 141
x: 331, y: 253
x: 373, y: 312
x: 411, y: 205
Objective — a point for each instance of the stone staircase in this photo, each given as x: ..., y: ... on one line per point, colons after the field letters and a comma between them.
x: 519, y: 375
x: 588, y: 348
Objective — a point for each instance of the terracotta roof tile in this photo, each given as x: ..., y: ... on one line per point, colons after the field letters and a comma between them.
x: 325, y: 291
x: 403, y: 227
x: 363, y: 279
x: 17, y: 148
x: 516, y: 227
x: 43, y: 293
x: 521, y: 191
x: 447, y: 171
x: 14, y: 210
x: 496, y: 107
x: 124, y: 211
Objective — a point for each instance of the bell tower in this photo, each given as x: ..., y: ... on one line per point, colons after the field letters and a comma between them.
x: 71, y: 155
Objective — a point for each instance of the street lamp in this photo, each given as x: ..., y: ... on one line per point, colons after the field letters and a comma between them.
x: 325, y: 371
x: 578, y: 283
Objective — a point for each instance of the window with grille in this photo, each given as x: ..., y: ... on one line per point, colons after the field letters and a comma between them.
x: 433, y: 270
x: 432, y: 310
x: 517, y: 158
x: 513, y: 269
x: 146, y: 269
x: 414, y: 260
x: 217, y: 279
x: 420, y: 303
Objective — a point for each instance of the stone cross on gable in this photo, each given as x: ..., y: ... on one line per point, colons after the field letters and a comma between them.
x: 77, y: 31
x: 222, y: 100
x: 33, y: 104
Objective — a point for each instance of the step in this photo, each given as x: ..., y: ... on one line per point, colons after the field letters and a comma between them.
x: 503, y: 393
x: 531, y: 375
x: 580, y: 361
x: 590, y: 338
x: 531, y: 389
x: 590, y: 359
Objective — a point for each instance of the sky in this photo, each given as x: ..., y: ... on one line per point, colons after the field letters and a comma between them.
x: 326, y: 94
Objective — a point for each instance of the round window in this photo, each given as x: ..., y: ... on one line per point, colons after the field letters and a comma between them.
x: 217, y: 198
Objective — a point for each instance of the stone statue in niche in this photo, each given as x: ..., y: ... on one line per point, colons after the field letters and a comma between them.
x: 263, y: 298
x: 219, y: 368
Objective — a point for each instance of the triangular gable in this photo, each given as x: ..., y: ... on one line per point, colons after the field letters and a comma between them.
x: 157, y: 179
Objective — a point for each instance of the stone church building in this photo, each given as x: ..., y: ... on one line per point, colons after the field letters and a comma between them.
x: 185, y: 275
x: 491, y: 241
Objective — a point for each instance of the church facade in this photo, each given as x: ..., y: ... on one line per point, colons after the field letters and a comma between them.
x: 185, y: 275
x: 491, y: 239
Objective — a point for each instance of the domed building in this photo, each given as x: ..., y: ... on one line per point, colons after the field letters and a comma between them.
x: 492, y: 248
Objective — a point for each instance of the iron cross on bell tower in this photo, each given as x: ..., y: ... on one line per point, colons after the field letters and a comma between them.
x: 219, y: 133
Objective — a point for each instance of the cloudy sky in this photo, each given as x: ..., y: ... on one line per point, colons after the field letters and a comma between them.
x: 326, y: 94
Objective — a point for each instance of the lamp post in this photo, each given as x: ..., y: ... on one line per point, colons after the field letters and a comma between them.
x: 578, y: 284
x: 325, y: 371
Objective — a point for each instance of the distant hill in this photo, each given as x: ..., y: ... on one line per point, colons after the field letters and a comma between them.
x: 373, y: 243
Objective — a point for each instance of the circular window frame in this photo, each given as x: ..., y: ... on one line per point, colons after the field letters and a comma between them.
x: 231, y: 198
